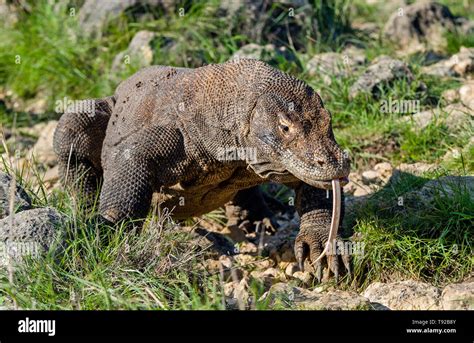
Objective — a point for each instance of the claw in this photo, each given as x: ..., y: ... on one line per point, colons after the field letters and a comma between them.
x: 347, y: 264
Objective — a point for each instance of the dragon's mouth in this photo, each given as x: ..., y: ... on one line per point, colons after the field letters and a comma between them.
x: 342, y: 181
x: 327, y: 184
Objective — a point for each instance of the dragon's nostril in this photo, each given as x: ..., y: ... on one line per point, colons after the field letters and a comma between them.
x: 320, y: 162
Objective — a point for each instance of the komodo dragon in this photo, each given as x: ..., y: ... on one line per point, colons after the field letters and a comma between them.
x: 200, y: 138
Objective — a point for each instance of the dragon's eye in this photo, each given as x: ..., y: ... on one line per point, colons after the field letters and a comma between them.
x: 284, y: 128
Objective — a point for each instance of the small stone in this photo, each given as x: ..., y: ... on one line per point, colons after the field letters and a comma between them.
x: 248, y: 248
x: 211, y: 265
x: 459, y: 117
x: 291, y: 269
x: 268, y: 277
x: 43, y: 151
x: 244, y: 259
x: 264, y: 263
x: 282, y: 265
x: 275, y: 274
x: 417, y: 168
x: 466, y: 93
x: 9, y: 13
x: 384, y: 170
x: 370, y: 29
x: 304, y: 277
x: 38, y: 105
x: 226, y: 261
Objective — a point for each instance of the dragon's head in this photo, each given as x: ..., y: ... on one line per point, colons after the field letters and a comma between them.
x: 293, y: 133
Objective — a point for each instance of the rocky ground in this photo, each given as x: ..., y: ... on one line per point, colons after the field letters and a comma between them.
x: 243, y: 259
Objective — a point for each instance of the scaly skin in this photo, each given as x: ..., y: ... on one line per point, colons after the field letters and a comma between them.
x: 167, y: 129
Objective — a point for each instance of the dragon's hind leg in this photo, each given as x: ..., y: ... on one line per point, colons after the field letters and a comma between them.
x: 250, y: 209
x: 78, y: 143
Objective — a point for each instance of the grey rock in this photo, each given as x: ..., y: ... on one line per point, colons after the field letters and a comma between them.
x: 94, y: 15
x: 460, y: 64
x: 454, y: 116
x: 382, y: 71
x: 267, y: 53
x: 447, y: 186
x: 31, y: 232
x: 21, y: 200
x: 332, y: 64
x: 423, y: 25
x: 139, y: 52
x: 8, y: 13
x: 255, y: 20
x: 403, y: 295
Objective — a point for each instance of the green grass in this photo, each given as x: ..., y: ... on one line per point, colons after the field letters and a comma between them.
x: 44, y: 54
x: 432, y: 242
x: 102, y: 267
x: 456, y: 41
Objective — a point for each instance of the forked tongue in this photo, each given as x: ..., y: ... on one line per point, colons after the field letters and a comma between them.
x: 336, y: 215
